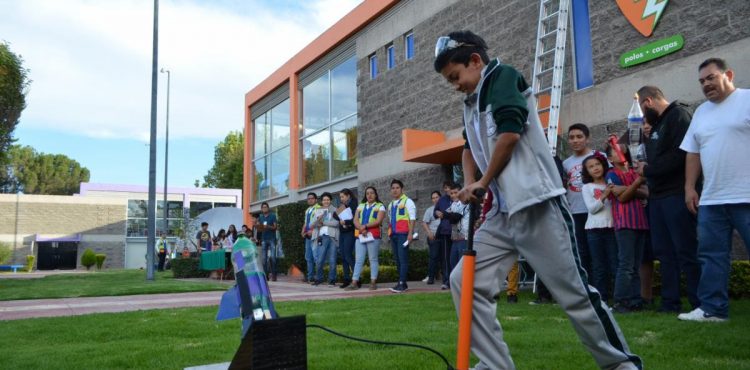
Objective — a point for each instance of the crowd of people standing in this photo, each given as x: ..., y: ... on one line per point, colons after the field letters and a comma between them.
x: 654, y: 207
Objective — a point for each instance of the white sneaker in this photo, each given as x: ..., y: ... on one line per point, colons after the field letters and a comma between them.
x: 626, y: 366
x: 426, y: 279
x: 700, y: 316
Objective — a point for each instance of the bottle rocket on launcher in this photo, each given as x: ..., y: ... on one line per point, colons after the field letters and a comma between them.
x: 635, y: 128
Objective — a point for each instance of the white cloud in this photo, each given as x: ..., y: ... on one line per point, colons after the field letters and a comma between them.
x: 90, y: 61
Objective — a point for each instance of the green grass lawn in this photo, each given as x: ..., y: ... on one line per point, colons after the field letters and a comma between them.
x: 98, y: 284
x: 539, y: 337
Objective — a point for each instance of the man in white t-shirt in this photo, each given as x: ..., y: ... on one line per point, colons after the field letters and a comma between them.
x: 578, y: 139
x: 717, y: 145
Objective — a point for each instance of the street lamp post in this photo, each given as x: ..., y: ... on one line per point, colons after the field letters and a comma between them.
x: 166, y: 155
x: 150, y: 240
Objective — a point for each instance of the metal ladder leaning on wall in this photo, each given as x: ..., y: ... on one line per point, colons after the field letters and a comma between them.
x: 549, y: 66
x: 549, y: 62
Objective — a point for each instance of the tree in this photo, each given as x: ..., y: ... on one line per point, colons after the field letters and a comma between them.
x: 39, y: 173
x: 228, y: 160
x: 13, y: 88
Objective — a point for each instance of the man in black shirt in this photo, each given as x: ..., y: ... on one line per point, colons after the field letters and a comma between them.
x: 673, y: 227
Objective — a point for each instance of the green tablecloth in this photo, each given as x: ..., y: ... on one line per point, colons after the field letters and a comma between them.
x: 213, y: 260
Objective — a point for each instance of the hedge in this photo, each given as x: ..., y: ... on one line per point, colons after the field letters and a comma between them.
x: 187, y: 268
x: 291, y: 216
x: 739, y: 280
x: 386, y: 274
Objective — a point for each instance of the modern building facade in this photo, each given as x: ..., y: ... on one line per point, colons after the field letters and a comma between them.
x: 108, y: 218
x: 361, y: 104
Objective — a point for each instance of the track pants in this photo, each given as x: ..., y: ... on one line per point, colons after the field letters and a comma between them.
x: 544, y: 234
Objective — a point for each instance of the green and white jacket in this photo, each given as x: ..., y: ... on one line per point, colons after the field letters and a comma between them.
x: 504, y: 103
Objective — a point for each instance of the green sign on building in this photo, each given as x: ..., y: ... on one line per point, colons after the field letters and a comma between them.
x: 651, y: 51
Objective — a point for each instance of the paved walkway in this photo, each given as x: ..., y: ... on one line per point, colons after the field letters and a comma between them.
x: 286, y: 289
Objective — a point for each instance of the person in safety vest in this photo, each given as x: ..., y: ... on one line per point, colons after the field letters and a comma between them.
x: 402, y: 214
x: 367, y: 221
x: 307, y: 229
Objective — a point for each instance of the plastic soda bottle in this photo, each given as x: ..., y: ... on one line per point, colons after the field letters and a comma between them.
x: 245, y: 259
x: 635, y: 127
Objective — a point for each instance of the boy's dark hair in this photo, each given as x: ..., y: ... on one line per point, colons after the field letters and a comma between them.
x: 581, y: 127
x: 204, y: 223
x: 652, y: 92
x: 397, y: 181
x: 721, y: 64
x: 326, y: 195
x: 435, y: 192
x: 455, y: 186
x: 447, y: 183
x: 313, y: 195
x: 472, y: 43
x: 264, y: 204
x: 585, y: 175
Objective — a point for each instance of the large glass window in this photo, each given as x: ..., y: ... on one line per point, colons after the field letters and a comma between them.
x: 344, y: 147
x: 344, y: 90
x: 316, y: 150
x: 315, y: 104
x: 196, y: 208
x: 329, y: 147
x: 280, y: 172
x: 271, y: 165
x: 279, y: 122
x: 260, y: 179
x: 137, y: 221
x: 261, y: 135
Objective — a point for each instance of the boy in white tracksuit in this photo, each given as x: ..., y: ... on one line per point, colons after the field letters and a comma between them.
x: 529, y: 215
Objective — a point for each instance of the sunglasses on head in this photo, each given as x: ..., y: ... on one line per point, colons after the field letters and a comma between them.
x: 445, y: 43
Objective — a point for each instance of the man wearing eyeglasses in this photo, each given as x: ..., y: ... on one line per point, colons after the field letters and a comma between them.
x: 717, y: 144
x: 529, y: 215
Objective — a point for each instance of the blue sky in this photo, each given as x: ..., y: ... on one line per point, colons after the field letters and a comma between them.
x: 90, y: 66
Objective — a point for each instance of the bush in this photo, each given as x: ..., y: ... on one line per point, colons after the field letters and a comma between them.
x: 283, y: 265
x: 386, y: 274
x: 739, y: 280
x: 5, y: 253
x: 183, y: 268
x: 100, y: 260
x: 418, y: 261
x: 291, y: 216
x: 88, y: 258
x: 29, y: 263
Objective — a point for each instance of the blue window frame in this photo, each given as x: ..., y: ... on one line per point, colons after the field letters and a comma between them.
x: 409, y: 46
x: 373, y: 66
x: 582, y: 55
x: 391, y: 57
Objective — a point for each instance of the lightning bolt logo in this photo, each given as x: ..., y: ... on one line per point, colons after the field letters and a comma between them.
x: 643, y: 14
x: 654, y: 7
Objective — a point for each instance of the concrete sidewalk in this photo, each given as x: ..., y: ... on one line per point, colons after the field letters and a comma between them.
x: 286, y: 289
